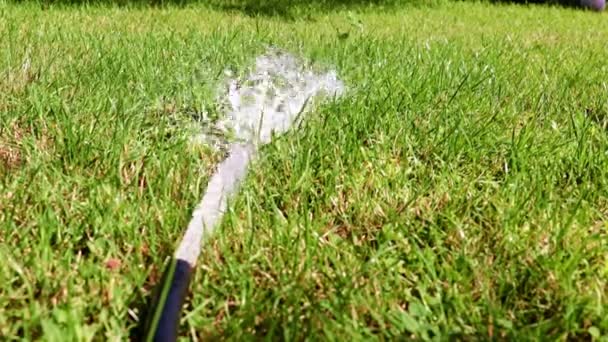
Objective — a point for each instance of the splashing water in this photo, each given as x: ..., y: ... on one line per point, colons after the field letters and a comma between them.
x: 272, y: 97
x: 268, y: 101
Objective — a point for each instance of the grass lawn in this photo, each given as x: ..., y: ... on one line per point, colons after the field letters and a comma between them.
x: 458, y: 190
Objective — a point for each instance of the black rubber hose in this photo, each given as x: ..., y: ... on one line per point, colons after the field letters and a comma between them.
x: 164, y: 319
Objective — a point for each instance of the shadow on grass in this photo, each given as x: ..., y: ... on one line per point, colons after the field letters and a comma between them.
x: 562, y: 3
x: 294, y: 9
x: 301, y: 9
x: 284, y: 9
x: 141, y: 304
x: 291, y: 9
x: 144, y: 303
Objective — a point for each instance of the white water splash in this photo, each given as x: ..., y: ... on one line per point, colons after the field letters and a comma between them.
x: 272, y: 96
x: 267, y: 101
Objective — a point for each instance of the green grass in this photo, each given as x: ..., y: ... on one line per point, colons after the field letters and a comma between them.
x: 459, y: 190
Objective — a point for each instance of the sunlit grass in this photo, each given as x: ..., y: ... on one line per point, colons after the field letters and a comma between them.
x: 457, y: 190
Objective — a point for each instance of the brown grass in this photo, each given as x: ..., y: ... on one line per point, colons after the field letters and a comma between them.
x: 10, y: 147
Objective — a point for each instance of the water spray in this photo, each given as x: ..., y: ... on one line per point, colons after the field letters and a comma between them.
x: 267, y: 102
